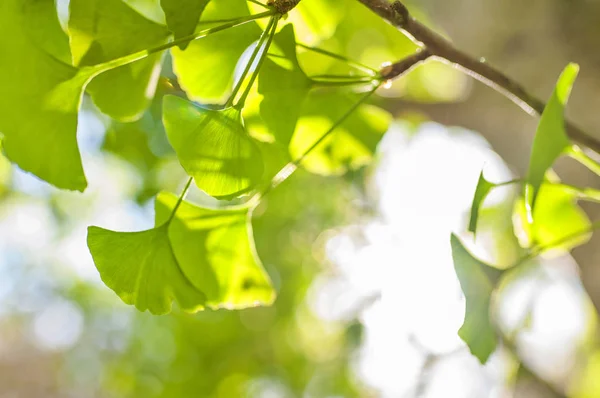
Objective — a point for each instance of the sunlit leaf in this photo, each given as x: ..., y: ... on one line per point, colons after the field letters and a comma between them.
x: 141, y: 269
x: 351, y: 145
x: 39, y: 97
x: 317, y: 20
x: 551, y: 139
x: 477, y: 281
x: 206, y: 68
x: 284, y: 86
x: 559, y: 223
x: 483, y: 189
x: 103, y: 30
x: 216, y: 250
x: 183, y: 16
x: 213, y: 147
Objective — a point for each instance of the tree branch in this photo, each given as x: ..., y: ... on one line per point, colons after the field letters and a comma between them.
x: 398, y: 15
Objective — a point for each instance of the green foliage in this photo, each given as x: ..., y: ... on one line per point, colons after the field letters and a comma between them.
x: 308, y: 110
x: 183, y: 16
x: 215, y: 249
x: 213, y: 147
x: 559, y: 222
x: 39, y: 96
x: 477, y: 281
x: 206, y: 68
x: 125, y: 92
x: 551, y: 139
x: 484, y: 187
x: 141, y: 268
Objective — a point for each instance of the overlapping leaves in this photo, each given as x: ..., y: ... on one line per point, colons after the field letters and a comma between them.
x: 199, y: 258
x: 213, y: 147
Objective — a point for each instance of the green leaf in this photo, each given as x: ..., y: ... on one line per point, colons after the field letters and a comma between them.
x: 350, y: 146
x: 551, y: 139
x: 103, y: 30
x: 284, y: 86
x: 477, y: 281
x: 141, y: 269
x: 39, y: 96
x: 216, y: 250
x: 213, y: 147
x: 183, y: 16
x: 481, y: 192
x: 206, y: 68
x: 43, y: 27
x: 556, y: 217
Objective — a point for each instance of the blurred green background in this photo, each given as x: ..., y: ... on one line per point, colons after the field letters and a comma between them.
x: 368, y: 303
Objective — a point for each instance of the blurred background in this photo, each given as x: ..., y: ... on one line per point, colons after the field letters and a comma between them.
x: 368, y: 302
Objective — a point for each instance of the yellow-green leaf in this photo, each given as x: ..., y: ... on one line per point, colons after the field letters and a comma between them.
x: 216, y: 250
x: 477, y: 281
x: 213, y: 147
x: 39, y: 96
x: 104, y: 30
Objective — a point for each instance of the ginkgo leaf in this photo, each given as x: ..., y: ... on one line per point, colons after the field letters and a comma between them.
x: 206, y: 68
x: 216, y: 250
x: 351, y: 145
x: 141, y: 269
x: 481, y: 192
x: 284, y: 86
x: 477, y: 281
x: 104, y: 30
x: 559, y: 223
x: 183, y: 16
x: 551, y: 139
x: 213, y: 147
x: 39, y: 97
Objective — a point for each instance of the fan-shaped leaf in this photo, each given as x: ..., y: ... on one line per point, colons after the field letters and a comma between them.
x: 141, y: 269
x: 477, y: 281
x: 213, y: 147
x: 39, y: 95
x: 103, y: 30
x: 216, y: 250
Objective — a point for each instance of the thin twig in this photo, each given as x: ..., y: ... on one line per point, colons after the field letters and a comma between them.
x: 398, y: 15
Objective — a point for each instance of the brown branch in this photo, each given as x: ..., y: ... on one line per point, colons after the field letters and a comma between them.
x: 401, y: 67
x: 398, y: 15
x: 283, y: 6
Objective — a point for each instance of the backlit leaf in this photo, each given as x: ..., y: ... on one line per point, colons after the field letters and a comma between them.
x: 141, y: 269
x: 213, y: 147
x: 39, y: 97
x: 183, y: 16
x: 206, y: 68
x: 216, y: 250
x: 477, y: 281
x: 551, y: 139
x: 351, y: 145
x: 103, y: 30
x: 483, y: 189
x: 556, y: 218
x: 284, y: 86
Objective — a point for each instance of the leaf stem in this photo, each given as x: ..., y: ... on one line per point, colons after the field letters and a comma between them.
x: 579, y: 155
x: 261, y: 60
x: 339, y: 57
x: 97, y: 69
x: 180, y: 200
x: 255, y: 53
